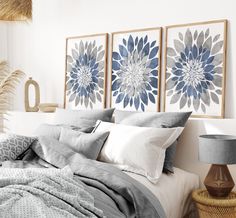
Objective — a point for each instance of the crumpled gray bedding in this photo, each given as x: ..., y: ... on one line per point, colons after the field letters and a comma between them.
x: 40, y: 193
x: 108, y: 191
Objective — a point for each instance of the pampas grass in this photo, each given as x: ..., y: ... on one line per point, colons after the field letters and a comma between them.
x: 8, y: 83
x: 15, y: 10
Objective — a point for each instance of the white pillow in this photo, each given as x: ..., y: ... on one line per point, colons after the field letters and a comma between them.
x: 135, y: 149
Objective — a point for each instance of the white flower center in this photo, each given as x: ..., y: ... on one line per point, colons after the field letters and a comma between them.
x: 84, y: 76
x: 193, y: 72
x: 134, y: 77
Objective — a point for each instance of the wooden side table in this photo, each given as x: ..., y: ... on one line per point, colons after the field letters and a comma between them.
x: 209, y: 207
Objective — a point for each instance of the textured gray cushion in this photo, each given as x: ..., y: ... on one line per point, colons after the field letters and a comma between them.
x: 11, y: 146
x: 158, y: 120
x: 54, y: 131
x: 84, y: 143
x: 82, y: 118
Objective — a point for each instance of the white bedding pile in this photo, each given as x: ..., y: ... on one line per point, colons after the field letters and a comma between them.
x: 173, y: 191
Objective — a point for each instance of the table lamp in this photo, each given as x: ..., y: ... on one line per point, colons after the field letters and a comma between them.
x: 218, y: 150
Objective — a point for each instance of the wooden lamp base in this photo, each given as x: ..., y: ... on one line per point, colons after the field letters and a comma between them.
x: 218, y: 181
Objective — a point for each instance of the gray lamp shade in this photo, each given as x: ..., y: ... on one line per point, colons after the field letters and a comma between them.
x: 217, y: 149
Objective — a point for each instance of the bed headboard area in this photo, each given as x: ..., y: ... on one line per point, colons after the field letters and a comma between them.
x: 187, y: 148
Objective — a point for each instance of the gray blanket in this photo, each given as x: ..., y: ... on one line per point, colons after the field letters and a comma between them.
x: 110, y: 193
x: 44, y: 193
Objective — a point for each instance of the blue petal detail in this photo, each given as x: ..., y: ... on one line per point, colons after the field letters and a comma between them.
x: 154, y: 63
x: 175, y: 78
x: 153, y: 43
x: 116, y: 56
x: 180, y: 85
x: 113, y: 77
x: 154, y: 72
x: 142, y: 107
x: 94, y: 79
x: 148, y: 87
x: 153, y: 52
x: 115, y: 65
x: 120, y: 98
x: 124, y: 41
x: 130, y: 44
x: 186, y: 51
x: 208, y: 76
x: 145, y: 39
x: 151, y: 97
x: 131, y: 102
x: 189, y: 90
x: 123, y: 51
x: 205, y: 56
x: 115, y: 93
x: 195, y: 52
x: 204, y: 85
x: 178, y: 72
x: 126, y: 101
x: 179, y: 65
x: 154, y: 92
x: 183, y: 56
x: 210, y: 59
x: 140, y: 45
x: 144, y: 97
x: 194, y: 93
x: 136, y: 102
x: 146, y: 49
x: 153, y: 82
x: 116, y: 85
x: 208, y: 68
x: 199, y: 88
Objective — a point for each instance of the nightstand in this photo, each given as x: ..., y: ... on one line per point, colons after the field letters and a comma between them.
x: 209, y: 207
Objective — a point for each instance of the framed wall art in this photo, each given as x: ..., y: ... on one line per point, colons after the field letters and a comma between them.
x: 195, y: 65
x: 135, y: 69
x: 85, y: 79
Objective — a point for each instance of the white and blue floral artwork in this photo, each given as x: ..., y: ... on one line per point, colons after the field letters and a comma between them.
x: 136, y: 70
x: 86, y: 72
x: 195, y: 68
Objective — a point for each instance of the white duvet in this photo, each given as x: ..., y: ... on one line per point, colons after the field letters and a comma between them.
x: 173, y: 191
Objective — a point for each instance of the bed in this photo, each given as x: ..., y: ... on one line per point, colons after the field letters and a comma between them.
x: 72, y: 170
x: 173, y: 192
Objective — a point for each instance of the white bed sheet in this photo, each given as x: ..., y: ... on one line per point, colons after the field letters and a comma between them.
x: 173, y: 191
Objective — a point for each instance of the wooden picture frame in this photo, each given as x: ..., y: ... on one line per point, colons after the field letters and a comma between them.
x: 136, y: 69
x: 86, y: 72
x: 195, y: 68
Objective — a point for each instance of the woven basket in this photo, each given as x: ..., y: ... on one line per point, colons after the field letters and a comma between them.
x: 209, y: 207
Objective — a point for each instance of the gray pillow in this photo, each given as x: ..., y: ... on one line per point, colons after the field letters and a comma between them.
x: 11, y: 146
x: 54, y: 131
x: 52, y: 151
x: 82, y: 118
x: 87, y: 144
x: 158, y: 120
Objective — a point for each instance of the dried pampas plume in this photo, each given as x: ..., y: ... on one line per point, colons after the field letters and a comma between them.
x: 8, y: 83
x: 15, y: 10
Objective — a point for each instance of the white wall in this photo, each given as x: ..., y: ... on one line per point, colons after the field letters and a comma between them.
x: 38, y: 48
x: 3, y: 41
